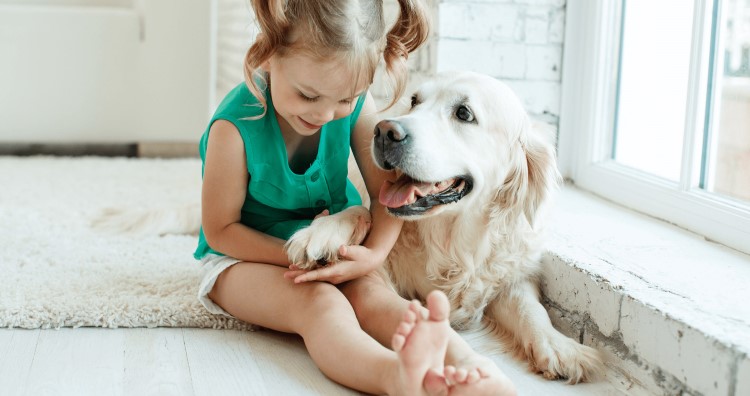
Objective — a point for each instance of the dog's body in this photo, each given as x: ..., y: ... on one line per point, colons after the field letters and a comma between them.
x: 474, y: 178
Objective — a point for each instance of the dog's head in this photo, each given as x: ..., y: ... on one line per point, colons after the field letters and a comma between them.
x: 466, y: 141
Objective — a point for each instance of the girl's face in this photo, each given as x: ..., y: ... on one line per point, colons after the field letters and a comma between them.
x: 308, y: 93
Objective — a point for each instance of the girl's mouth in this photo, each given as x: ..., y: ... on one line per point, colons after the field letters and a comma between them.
x: 308, y: 125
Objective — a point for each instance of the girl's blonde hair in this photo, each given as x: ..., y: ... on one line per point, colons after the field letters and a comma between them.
x: 353, y: 29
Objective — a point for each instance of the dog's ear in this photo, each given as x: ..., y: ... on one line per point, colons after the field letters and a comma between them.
x: 544, y: 177
x: 533, y: 174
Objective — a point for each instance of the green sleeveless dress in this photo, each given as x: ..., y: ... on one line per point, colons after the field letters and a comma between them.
x: 279, y: 202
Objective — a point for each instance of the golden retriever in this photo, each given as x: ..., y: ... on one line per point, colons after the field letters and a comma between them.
x: 475, y: 176
x: 474, y: 179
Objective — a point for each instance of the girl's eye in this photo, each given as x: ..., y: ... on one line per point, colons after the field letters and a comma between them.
x: 413, y: 100
x: 346, y: 101
x: 464, y: 114
x: 307, y: 98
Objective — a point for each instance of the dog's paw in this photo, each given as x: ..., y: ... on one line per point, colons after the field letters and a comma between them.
x: 559, y: 357
x: 308, y: 249
x: 319, y: 243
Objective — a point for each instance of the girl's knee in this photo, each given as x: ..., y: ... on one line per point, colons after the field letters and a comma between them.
x: 322, y: 301
x: 321, y: 295
x: 356, y: 291
x: 366, y: 292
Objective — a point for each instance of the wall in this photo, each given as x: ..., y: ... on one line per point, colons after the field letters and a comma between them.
x: 85, y: 71
x: 235, y: 31
x: 517, y: 41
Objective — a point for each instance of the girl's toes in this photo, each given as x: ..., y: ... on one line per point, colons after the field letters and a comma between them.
x: 461, y: 375
x: 416, y: 309
x: 472, y: 377
x: 397, y: 342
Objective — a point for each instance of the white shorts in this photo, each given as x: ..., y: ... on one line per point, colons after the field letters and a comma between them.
x: 212, y: 266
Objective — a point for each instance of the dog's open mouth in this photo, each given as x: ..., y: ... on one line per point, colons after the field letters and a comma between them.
x: 409, y: 197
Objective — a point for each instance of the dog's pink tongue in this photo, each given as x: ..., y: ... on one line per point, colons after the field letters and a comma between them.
x: 393, y: 196
x: 400, y: 193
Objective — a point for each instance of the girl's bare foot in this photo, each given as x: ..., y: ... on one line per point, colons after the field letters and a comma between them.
x: 421, y: 341
x: 478, y: 375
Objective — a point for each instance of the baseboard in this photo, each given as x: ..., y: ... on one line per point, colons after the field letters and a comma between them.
x: 167, y: 149
x: 70, y: 149
x: 142, y: 149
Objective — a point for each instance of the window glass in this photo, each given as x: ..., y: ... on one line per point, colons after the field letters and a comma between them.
x: 653, y: 85
x: 727, y: 168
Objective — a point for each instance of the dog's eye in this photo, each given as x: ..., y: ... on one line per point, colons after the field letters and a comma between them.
x: 464, y: 114
x: 413, y: 100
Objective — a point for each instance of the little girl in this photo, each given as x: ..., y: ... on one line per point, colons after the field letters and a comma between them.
x: 275, y: 157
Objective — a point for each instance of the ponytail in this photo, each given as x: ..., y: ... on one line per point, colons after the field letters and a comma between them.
x: 408, y: 33
x: 274, y: 26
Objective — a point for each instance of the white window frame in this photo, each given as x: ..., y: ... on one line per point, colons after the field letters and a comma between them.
x: 589, y: 78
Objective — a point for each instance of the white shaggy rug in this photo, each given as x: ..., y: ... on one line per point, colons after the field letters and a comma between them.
x: 56, y: 271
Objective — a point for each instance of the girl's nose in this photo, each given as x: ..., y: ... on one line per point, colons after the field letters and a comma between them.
x: 323, y: 115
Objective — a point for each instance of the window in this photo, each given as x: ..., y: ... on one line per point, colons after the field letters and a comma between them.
x: 656, y: 110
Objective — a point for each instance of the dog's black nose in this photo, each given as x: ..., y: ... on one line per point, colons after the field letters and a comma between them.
x: 390, y: 143
x: 391, y: 129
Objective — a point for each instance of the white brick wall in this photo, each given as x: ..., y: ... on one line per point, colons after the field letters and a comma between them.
x: 517, y: 41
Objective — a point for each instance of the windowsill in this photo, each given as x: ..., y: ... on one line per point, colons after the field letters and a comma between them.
x: 668, y: 307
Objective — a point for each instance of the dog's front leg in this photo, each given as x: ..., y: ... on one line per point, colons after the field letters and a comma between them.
x: 548, y: 351
x: 319, y: 243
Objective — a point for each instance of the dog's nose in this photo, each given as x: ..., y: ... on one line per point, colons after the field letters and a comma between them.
x: 393, y: 130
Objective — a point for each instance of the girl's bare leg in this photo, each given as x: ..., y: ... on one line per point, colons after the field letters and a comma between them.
x: 377, y: 307
x: 321, y: 314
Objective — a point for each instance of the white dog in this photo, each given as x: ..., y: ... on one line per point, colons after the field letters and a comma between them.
x: 474, y: 176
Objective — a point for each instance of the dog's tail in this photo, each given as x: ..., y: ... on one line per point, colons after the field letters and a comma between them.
x: 160, y: 221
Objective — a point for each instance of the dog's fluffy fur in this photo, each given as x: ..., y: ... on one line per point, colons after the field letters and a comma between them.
x: 475, y: 176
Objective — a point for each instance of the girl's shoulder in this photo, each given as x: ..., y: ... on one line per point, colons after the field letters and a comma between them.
x: 243, y: 110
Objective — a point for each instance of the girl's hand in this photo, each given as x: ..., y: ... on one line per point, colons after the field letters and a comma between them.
x: 325, y: 212
x: 355, y: 261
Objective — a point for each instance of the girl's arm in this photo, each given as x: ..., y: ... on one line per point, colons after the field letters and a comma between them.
x: 358, y: 260
x: 225, y: 179
x: 385, y: 228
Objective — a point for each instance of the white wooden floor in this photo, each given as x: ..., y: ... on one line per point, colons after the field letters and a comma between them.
x: 175, y: 361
